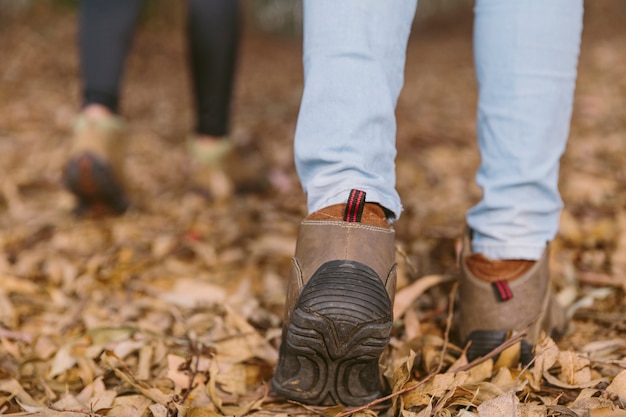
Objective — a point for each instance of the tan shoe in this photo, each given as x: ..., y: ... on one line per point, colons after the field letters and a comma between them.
x: 338, y: 313
x: 94, y: 171
x: 218, y: 169
x: 208, y: 160
x: 497, y: 297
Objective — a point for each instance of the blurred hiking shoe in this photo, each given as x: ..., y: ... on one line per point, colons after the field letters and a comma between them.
x: 94, y: 171
x: 338, y: 312
x: 208, y: 157
x: 219, y: 169
x: 497, y: 297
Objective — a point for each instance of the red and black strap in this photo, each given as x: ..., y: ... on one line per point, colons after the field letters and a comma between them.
x: 354, y: 207
x: 502, y: 290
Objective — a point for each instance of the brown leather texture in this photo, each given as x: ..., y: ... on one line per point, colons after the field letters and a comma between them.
x: 490, y: 270
x: 320, y: 241
x: 373, y: 214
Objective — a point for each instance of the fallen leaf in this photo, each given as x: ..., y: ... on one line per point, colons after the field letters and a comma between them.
x: 506, y: 404
x: 618, y: 386
x: 405, y: 297
x: 575, y: 368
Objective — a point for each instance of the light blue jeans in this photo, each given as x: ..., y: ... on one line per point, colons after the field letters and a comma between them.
x: 526, y: 55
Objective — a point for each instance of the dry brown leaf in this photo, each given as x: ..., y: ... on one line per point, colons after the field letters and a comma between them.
x: 273, y: 245
x: 63, y: 360
x: 466, y: 413
x: 401, y: 376
x: 435, y: 388
x: 158, y: 410
x: 201, y: 412
x: 483, y: 391
x: 13, y: 387
x: 607, y: 412
x: 95, y: 395
x: 504, y: 379
x: 189, y: 292
x: 546, y: 355
x: 506, y: 404
x: 618, y: 259
x: 129, y: 406
x: 561, y: 384
x: 233, y: 379
x: 509, y: 358
x: 246, y: 344
x: 480, y: 372
x: 584, y: 406
x: 575, y: 368
x: 532, y: 410
x: 121, y: 370
x: 618, y: 386
x: 405, y: 297
x: 211, y: 386
x: 180, y: 378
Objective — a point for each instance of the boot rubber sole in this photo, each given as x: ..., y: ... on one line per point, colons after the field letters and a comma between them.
x: 92, y: 181
x: 484, y: 341
x: 340, y: 326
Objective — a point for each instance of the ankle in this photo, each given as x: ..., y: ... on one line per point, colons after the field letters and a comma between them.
x: 96, y: 111
x: 492, y: 270
x: 373, y: 214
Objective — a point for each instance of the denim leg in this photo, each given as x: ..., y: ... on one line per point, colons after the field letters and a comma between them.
x: 526, y: 54
x: 354, y: 55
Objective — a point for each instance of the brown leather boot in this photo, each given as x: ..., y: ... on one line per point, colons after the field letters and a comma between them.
x: 94, y: 171
x: 496, y: 297
x: 338, y: 313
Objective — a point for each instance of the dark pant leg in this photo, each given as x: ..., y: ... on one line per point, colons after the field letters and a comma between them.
x: 104, y: 36
x: 213, y: 35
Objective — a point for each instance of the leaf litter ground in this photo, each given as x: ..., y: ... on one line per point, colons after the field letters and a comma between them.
x: 175, y: 308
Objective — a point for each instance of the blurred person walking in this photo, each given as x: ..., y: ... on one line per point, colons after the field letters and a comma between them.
x: 94, y: 172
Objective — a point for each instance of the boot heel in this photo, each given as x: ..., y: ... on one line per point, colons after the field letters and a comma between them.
x: 340, y: 326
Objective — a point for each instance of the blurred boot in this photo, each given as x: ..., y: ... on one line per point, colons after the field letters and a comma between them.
x: 208, y: 159
x: 94, y: 172
x: 219, y: 170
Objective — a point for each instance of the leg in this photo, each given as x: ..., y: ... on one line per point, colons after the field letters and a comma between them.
x: 213, y: 38
x: 354, y: 54
x: 213, y: 35
x: 105, y: 32
x: 338, y: 311
x: 526, y: 53
x: 94, y: 172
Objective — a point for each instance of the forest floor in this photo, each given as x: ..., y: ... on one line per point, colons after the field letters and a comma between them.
x: 175, y: 307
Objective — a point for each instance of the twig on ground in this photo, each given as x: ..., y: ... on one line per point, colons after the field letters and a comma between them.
x: 191, y: 366
x: 68, y: 410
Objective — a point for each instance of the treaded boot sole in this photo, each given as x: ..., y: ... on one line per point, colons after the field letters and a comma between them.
x: 91, y: 180
x: 340, y: 326
x: 484, y: 341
